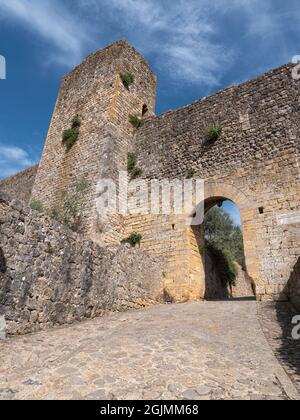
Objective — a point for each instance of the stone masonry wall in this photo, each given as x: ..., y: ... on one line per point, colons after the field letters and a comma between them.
x: 255, y: 163
x: 51, y: 276
x: 20, y: 185
x: 95, y: 92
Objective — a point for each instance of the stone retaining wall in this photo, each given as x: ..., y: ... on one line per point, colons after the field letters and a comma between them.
x: 51, y: 276
x: 20, y: 185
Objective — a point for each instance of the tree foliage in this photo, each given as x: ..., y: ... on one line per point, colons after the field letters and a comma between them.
x: 223, y: 234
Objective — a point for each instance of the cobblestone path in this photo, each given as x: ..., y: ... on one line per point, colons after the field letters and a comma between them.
x: 194, y: 351
x: 276, y: 321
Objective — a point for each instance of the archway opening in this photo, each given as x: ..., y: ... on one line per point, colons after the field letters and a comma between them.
x: 220, y: 240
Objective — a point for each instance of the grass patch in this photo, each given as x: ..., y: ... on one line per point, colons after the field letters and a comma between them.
x: 73, y: 205
x: 136, y: 121
x: 213, y: 133
x: 37, y: 205
x: 134, y: 239
x: 132, y: 169
x: 127, y: 79
x: 50, y: 249
x: 70, y: 137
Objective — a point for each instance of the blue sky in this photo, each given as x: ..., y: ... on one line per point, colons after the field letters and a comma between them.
x: 195, y: 47
x: 234, y: 212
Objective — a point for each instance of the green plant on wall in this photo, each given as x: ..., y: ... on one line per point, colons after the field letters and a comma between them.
x: 37, y: 205
x: 134, y: 239
x: 213, y: 133
x: 190, y: 174
x: 50, y: 249
x: 136, y: 121
x: 74, y: 202
x: 127, y: 79
x: 76, y: 122
x: 70, y: 136
x: 132, y: 169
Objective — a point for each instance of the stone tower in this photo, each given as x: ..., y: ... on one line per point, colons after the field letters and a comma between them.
x: 95, y: 92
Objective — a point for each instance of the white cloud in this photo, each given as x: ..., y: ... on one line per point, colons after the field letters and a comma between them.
x: 185, y: 39
x: 12, y: 160
x: 53, y: 22
x: 179, y: 34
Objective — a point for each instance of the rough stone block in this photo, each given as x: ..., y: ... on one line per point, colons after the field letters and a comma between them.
x: 2, y: 328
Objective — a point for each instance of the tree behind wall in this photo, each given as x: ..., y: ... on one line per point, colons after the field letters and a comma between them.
x: 222, y: 234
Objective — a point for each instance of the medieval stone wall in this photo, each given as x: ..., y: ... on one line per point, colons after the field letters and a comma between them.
x: 95, y: 92
x: 51, y: 276
x: 255, y: 163
x: 20, y: 185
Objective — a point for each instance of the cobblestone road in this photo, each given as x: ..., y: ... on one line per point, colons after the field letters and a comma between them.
x: 195, y: 351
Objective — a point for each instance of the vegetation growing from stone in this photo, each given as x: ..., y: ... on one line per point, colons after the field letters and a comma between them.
x: 136, y: 121
x: 50, y: 249
x: 73, y: 205
x: 132, y: 169
x: 224, y: 240
x: 213, y: 133
x: 76, y: 122
x: 70, y: 136
x: 127, y: 79
x: 134, y: 239
x: 37, y: 205
x: 190, y: 173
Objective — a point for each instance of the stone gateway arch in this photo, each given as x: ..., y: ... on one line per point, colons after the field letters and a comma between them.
x: 254, y: 162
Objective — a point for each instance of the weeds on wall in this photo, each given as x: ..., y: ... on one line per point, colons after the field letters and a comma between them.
x: 132, y: 168
x: 70, y: 136
x: 73, y: 205
x: 136, y: 121
x: 133, y: 240
x: 190, y: 174
x: 76, y: 122
x: 50, y: 249
x: 127, y: 79
x: 37, y: 205
x: 71, y: 210
x: 213, y: 133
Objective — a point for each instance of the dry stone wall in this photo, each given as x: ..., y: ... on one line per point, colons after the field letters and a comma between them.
x: 20, y: 185
x: 51, y: 276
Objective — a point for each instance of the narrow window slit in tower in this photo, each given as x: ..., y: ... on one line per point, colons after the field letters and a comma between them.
x: 144, y: 110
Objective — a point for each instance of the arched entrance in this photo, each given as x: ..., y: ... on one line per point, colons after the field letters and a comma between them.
x: 223, y: 254
x: 216, y: 194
